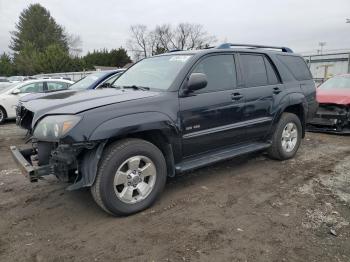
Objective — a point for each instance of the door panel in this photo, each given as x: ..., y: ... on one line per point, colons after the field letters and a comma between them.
x: 262, y: 89
x: 210, y: 123
x: 208, y: 116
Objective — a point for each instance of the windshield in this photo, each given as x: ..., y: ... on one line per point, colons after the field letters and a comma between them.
x: 156, y: 72
x: 339, y: 82
x: 87, y: 81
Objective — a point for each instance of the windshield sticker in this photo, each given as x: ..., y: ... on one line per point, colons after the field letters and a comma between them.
x: 180, y: 58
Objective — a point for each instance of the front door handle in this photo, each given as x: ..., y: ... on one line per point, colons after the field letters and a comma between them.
x: 276, y: 90
x: 236, y: 96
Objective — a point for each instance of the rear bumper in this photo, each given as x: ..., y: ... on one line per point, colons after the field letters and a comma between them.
x: 23, y: 160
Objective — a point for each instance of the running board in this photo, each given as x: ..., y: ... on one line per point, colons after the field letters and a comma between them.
x: 214, y: 157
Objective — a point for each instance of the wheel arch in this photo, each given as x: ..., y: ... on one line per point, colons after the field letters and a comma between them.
x: 295, y: 104
x: 4, y: 109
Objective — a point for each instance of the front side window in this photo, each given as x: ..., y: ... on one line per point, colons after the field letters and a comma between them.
x: 157, y: 72
x: 254, y: 70
x: 220, y: 71
x: 36, y: 87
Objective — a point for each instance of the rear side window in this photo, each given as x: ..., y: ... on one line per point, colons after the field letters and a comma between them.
x: 54, y: 86
x: 297, y: 66
x: 254, y: 70
x: 271, y: 73
x: 220, y: 71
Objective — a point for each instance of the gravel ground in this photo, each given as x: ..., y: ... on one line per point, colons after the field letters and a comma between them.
x: 246, y: 209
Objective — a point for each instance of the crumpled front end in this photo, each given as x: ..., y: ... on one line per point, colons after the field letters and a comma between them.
x: 72, y: 163
x: 331, y: 118
x: 24, y: 117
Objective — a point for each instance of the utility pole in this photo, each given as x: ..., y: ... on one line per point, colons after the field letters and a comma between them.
x: 348, y: 22
x: 321, y: 44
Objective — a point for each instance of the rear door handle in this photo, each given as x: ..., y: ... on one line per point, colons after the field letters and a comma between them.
x: 236, y: 96
x: 276, y: 90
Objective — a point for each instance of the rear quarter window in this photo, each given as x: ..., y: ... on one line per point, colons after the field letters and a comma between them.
x: 296, y: 66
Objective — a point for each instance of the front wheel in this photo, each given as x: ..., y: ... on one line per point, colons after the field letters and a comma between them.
x: 131, y: 175
x: 286, y: 138
x: 2, y: 115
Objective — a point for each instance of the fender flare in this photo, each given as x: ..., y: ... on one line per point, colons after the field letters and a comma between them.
x: 290, y: 100
x: 133, y: 123
x: 126, y: 125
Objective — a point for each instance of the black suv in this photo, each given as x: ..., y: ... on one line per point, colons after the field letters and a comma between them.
x: 168, y: 114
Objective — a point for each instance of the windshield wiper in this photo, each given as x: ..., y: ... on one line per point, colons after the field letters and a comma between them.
x: 144, y: 88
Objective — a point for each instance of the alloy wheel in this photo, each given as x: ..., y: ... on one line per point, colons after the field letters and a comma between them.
x: 135, y: 179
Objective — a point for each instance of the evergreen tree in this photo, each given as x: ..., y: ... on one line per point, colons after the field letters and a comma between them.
x: 54, y: 59
x: 39, y: 28
x: 26, y: 60
x: 7, y: 67
x: 115, y: 57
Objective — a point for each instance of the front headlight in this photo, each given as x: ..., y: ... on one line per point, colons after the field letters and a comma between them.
x: 52, y: 128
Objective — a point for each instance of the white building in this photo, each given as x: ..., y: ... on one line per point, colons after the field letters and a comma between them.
x: 327, y: 65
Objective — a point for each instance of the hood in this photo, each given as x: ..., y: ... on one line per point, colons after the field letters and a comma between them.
x: 73, y: 102
x: 333, y: 96
x: 33, y: 96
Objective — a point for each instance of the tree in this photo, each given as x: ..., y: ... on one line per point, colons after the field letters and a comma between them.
x: 54, y: 59
x: 140, y: 40
x: 74, y: 44
x: 163, y: 38
x: 7, y: 67
x: 26, y: 60
x: 119, y: 57
x: 115, y: 57
x: 38, y: 27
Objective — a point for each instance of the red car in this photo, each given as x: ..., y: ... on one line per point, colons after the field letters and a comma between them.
x: 333, y: 115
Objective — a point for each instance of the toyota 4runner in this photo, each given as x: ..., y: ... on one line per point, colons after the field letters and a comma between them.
x: 168, y: 114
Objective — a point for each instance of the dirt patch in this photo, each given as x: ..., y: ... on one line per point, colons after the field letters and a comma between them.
x: 245, y: 209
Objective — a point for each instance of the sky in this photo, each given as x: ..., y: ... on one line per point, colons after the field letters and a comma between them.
x: 298, y: 24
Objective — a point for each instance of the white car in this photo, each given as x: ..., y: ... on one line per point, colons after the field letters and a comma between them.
x: 10, y: 96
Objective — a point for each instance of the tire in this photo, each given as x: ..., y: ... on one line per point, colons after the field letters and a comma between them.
x: 117, y: 198
x: 3, y: 115
x: 283, y: 146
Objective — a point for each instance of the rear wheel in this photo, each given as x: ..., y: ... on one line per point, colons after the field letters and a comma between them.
x: 287, y: 137
x: 2, y: 115
x: 131, y: 176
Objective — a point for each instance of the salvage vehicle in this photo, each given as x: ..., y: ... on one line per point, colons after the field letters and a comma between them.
x: 333, y: 115
x: 169, y: 114
x: 102, y: 79
x: 9, y: 97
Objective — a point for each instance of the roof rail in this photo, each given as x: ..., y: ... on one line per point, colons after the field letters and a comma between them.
x: 174, y: 50
x: 229, y: 45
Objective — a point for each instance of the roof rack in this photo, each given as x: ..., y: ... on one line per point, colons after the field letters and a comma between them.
x: 174, y: 50
x: 229, y: 45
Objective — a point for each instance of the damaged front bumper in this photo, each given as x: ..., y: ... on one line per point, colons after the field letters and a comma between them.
x: 331, y: 118
x: 23, y: 160
x: 76, y: 164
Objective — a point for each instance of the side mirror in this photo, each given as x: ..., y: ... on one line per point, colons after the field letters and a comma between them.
x: 196, y: 81
x: 15, y: 92
x: 105, y: 85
